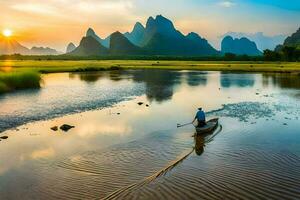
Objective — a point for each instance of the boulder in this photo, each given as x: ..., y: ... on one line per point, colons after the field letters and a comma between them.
x: 54, y: 128
x: 66, y: 127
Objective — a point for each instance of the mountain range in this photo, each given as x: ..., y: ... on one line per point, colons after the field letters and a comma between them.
x: 158, y: 37
x: 262, y: 41
x: 242, y: 46
x: 10, y: 46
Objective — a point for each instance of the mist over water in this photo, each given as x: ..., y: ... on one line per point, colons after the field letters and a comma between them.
x: 117, y: 145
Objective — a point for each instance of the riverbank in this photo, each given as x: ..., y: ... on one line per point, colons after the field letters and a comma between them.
x: 53, y: 66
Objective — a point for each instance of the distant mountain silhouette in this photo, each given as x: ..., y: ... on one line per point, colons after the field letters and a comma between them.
x: 262, y: 41
x: 89, y: 46
x: 43, y: 51
x: 293, y: 40
x: 136, y: 35
x: 71, y: 47
x: 10, y: 46
x: 159, y: 37
x: 241, y: 46
x: 120, y: 45
x: 104, y: 42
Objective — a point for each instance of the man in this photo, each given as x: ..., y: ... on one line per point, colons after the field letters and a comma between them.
x: 200, y: 116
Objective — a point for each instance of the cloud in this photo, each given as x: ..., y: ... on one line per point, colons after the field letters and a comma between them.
x: 226, y: 4
x: 34, y: 8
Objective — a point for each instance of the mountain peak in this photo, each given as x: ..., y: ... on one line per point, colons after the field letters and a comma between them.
x: 138, y: 26
x: 90, y: 32
x: 193, y: 35
x: 71, y: 47
x: 119, y: 44
x: 89, y: 46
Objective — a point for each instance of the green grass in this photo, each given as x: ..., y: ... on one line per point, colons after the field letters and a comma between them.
x: 11, y: 81
x: 45, y: 66
x: 22, y: 74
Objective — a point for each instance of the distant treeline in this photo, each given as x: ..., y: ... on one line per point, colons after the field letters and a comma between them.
x: 289, y: 54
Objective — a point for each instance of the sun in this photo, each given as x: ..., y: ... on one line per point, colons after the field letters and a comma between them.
x: 7, y: 32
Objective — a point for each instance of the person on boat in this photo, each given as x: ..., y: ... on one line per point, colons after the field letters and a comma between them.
x: 200, y: 117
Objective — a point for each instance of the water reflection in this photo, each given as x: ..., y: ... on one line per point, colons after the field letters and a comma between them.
x: 199, y: 143
x: 284, y: 80
x: 106, y: 152
x: 196, y: 78
x: 228, y: 80
x: 159, y: 83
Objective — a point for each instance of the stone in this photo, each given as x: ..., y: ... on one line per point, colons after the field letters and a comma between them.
x: 54, y: 128
x: 66, y: 127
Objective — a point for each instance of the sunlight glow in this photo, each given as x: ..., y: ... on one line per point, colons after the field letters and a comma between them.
x: 7, y: 32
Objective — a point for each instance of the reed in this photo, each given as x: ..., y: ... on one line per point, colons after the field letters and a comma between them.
x: 11, y: 81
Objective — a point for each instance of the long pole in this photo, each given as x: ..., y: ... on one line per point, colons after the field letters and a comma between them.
x: 181, y: 125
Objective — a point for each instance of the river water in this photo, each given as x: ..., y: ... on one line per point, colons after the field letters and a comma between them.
x: 122, y: 150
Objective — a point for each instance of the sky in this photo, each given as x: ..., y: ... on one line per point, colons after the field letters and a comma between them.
x: 55, y: 23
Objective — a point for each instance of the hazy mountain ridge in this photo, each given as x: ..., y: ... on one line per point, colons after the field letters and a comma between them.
x: 158, y: 37
x: 136, y: 35
x: 89, y: 46
x: 104, y: 42
x: 262, y: 41
x: 120, y: 45
x: 10, y: 46
x: 242, y: 46
x: 71, y: 47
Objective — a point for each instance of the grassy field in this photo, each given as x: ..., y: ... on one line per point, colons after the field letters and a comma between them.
x: 94, y: 65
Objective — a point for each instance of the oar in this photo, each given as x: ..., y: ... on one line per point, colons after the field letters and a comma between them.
x: 181, y: 125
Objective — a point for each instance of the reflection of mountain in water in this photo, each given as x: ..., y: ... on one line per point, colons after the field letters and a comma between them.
x: 240, y: 80
x: 285, y: 80
x: 196, y: 78
x: 159, y: 83
x: 90, y: 77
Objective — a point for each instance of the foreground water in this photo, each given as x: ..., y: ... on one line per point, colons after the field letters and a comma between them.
x: 119, y: 149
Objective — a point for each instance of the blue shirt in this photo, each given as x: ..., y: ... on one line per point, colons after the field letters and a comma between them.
x: 200, y: 116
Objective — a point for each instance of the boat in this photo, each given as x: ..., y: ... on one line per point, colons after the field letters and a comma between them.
x: 210, y: 126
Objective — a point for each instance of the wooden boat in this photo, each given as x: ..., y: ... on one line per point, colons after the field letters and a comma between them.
x: 210, y: 126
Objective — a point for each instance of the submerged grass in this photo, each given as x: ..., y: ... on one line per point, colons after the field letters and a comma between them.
x: 11, y: 81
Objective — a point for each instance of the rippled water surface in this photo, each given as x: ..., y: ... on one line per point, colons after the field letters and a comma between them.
x: 122, y: 150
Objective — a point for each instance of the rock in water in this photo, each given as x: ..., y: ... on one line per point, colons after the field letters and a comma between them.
x: 54, y: 128
x: 140, y: 103
x: 4, y: 137
x: 66, y: 127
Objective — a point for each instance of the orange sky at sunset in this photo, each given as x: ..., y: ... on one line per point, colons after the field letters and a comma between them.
x: 55, y: 23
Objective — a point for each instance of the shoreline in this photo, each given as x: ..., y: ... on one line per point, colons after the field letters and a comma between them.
x: 57, y: 66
